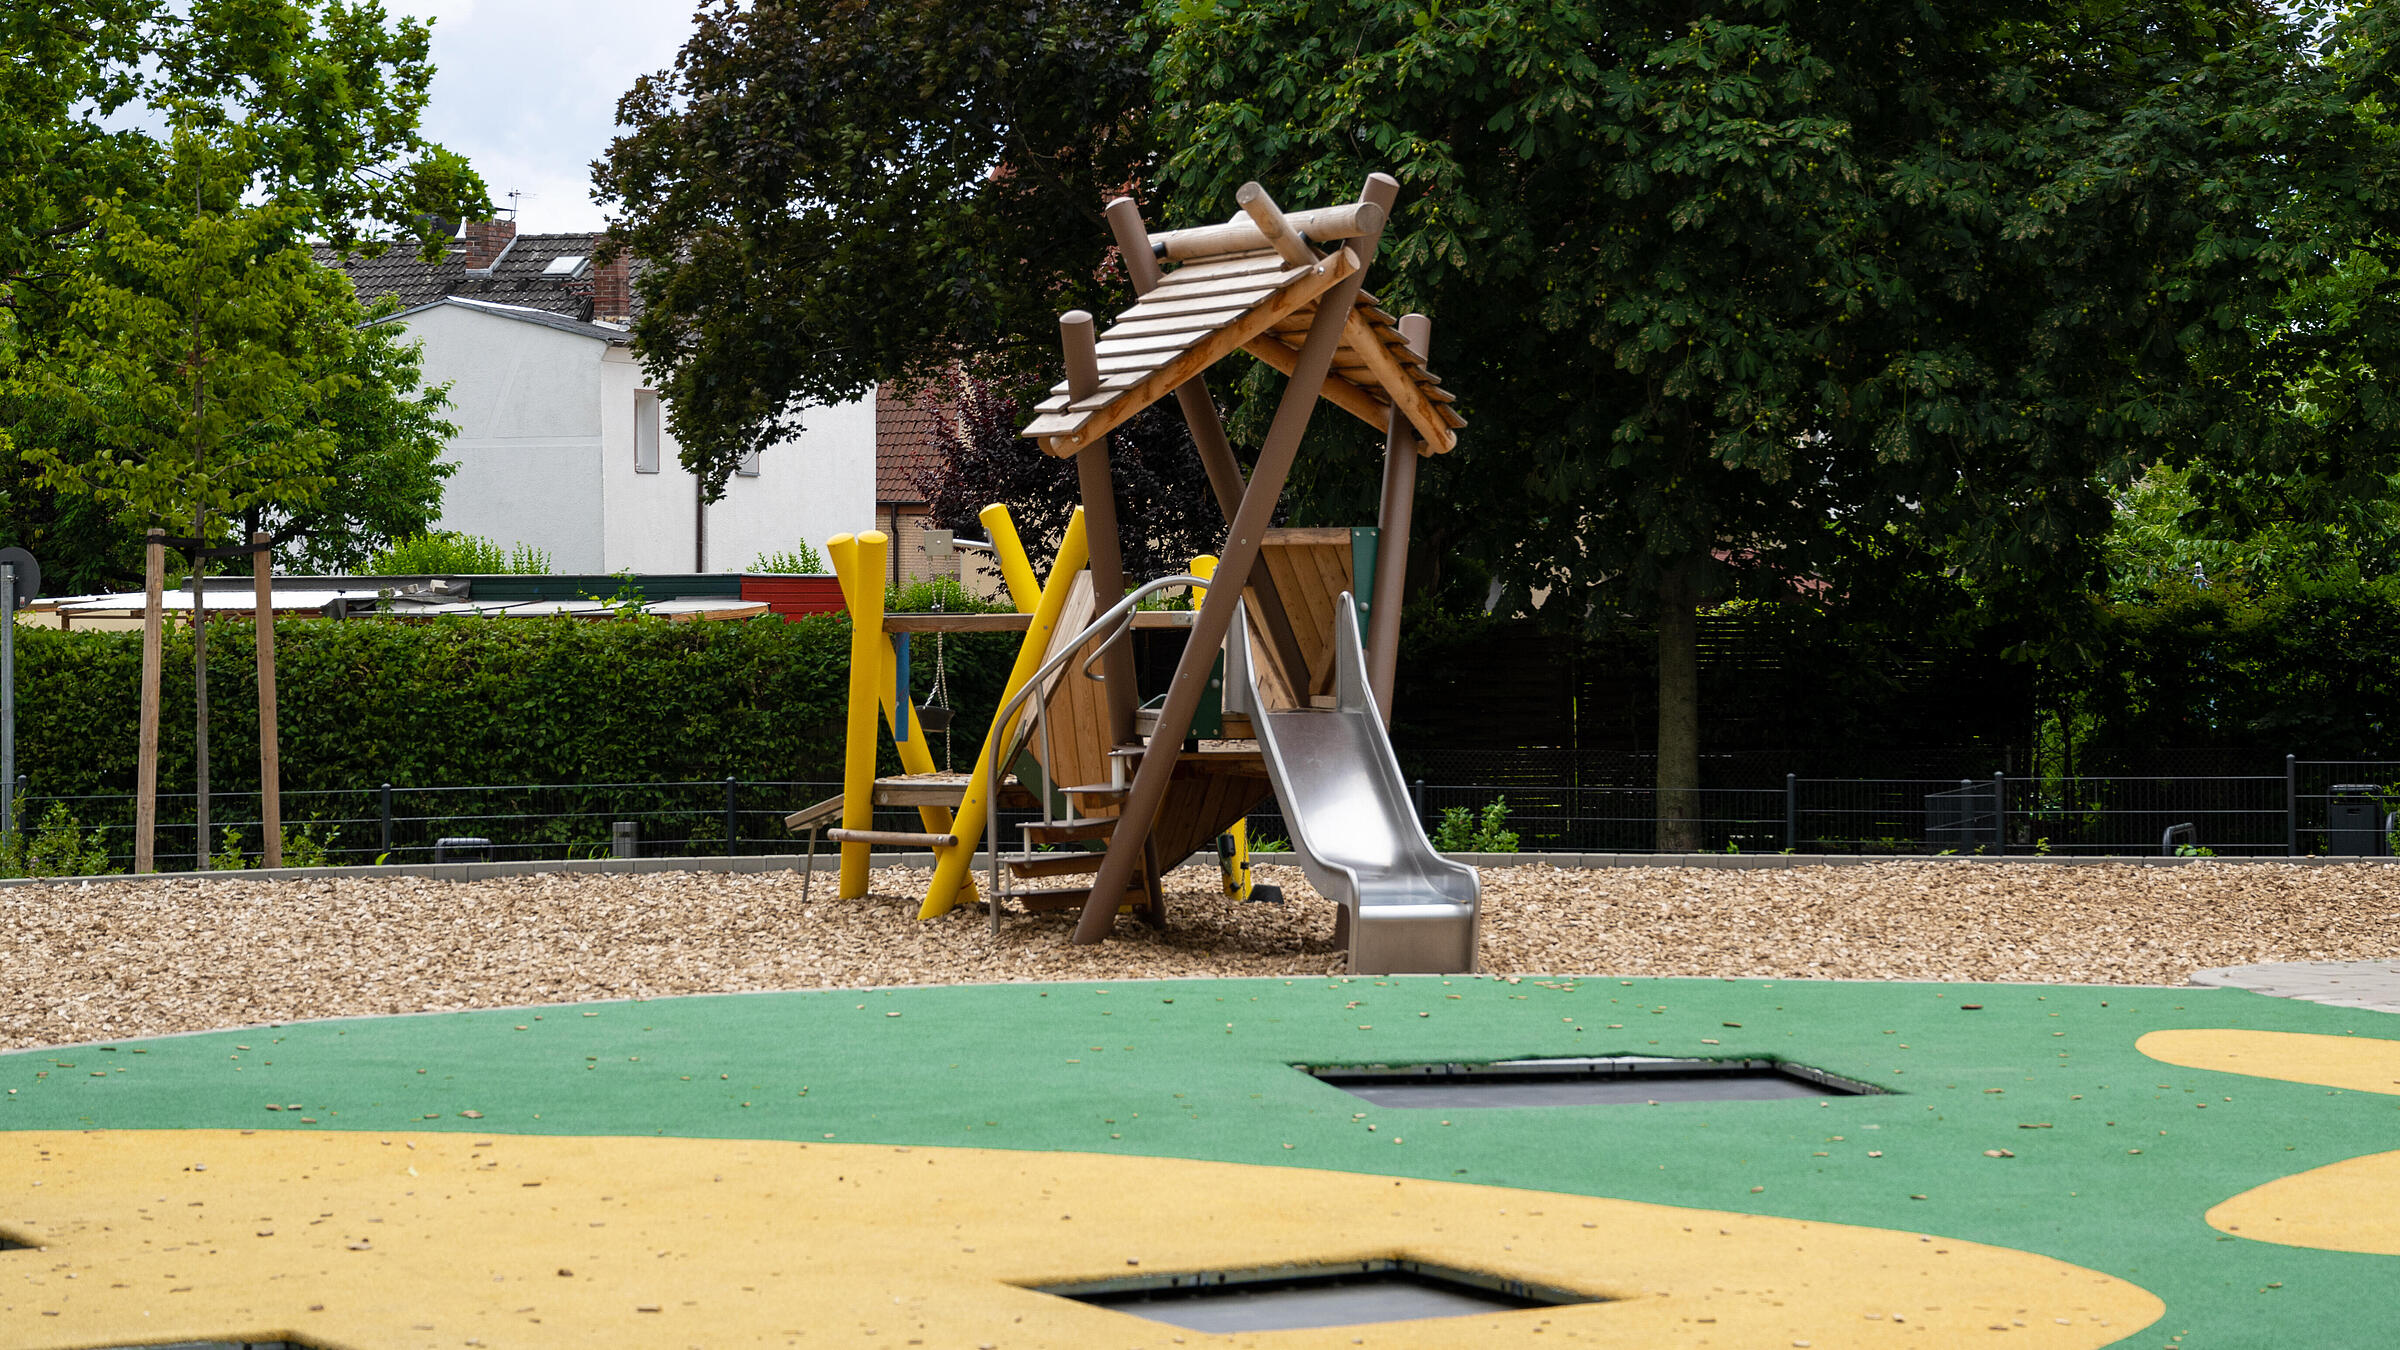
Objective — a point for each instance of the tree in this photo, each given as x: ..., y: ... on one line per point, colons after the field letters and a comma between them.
x: 384, y: 483
x: 827, y: 195
x: 329, y: 91
x: 194, y: 367
x: 1806, y: 287
x: 1166, y: 514
x: 325, y: 96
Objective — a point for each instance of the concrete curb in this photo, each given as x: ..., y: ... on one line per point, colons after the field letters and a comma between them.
x: 828, y: 859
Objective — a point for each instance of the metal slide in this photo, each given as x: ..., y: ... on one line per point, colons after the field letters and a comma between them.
x: 1354, y: 828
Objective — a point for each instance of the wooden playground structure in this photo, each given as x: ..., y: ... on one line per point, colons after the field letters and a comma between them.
x: 1126, y: 788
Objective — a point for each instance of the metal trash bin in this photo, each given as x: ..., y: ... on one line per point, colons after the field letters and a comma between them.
x: 2354, y: 820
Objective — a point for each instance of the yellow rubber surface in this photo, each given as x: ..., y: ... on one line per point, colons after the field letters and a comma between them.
x: 2349, y: 1206
x: 2358, y: 1063
x: 369, y: 1242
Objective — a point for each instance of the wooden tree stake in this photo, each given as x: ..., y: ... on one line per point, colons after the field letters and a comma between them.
x: 270, y: 759
x: 154, y: 619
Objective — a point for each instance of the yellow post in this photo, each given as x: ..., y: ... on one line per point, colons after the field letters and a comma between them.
x: 915, y: 756
x: 862, y: 556
x: 1233, y: 846
x: 1015, y: 568
x: 951, y: 867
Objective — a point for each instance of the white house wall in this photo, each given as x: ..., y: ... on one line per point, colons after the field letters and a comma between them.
x: 545, y: 457
x: 811, y: 488
x: 527, y: 403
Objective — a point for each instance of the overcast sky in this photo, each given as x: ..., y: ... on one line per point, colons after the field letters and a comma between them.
x: 527, y: 91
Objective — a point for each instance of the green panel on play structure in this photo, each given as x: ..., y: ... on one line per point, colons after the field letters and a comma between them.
x: 1365, y: 541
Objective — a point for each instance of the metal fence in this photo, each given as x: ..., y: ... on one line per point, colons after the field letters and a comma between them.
x: 2314, y: 807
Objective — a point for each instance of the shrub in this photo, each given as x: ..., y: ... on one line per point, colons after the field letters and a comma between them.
x: 59, y: 848
x: 449, y: 553
x: 465, y: 700
x: 1464, y: 831
x: 943, y: 593
x: 803, y: 559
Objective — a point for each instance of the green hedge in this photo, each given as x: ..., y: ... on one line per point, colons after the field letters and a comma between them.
x: 473, y: 701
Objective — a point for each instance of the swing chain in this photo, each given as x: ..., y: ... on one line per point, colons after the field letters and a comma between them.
x: 939, y: 696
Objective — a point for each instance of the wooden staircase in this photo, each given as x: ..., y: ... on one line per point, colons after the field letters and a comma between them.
x: 1144, y: 898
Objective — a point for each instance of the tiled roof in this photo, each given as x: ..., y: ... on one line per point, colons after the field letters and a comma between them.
x: 908, y: 430
x: 616, y: 335
x: 518, y: 277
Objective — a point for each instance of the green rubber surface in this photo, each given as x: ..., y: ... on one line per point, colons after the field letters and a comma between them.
x: 1203, y: 1069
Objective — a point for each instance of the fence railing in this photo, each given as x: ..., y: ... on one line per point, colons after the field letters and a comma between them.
x: 2340, y: 807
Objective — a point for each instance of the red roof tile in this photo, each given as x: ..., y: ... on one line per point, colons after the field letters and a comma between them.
x: 908, y: 432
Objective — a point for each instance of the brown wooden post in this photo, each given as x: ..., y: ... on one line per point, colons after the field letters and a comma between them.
x: 145, y: 798
x: 1391, y: 543
x: 1215, y: 619
x: 1208, y: 437
x: 270, y: 760
x: 1100, y: 525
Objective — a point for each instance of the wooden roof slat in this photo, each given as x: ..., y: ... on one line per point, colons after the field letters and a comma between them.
x: 1177, y: 286
x: 1057, y: 424
x: 1156, y: 343
x: 1400, y: 385
x: 1180, y: 323
x: 1189, y: 362
x: 1161, y: 302
x: 1231, y: 265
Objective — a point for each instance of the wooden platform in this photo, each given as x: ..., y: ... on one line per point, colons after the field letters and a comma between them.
x: 1015, y: 623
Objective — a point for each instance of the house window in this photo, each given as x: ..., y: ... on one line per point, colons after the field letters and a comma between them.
x: 645, y: 431
x: 747, y: 466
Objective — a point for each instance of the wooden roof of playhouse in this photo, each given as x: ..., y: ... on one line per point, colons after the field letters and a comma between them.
x: 1252, y: 284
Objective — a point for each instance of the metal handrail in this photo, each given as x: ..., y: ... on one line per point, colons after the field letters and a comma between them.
x: 1120, y: 616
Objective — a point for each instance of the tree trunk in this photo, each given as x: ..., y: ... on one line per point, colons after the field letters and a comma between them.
x: 1678, y: 711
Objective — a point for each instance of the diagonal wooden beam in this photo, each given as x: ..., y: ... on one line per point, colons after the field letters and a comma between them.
x: 1240, y: 554
x: 1208, y: 433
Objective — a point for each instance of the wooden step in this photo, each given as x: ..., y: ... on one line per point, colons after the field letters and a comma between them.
x: 1051, y: 902
x: 902, y: 838
x: 1102, y: 790
x: 941, y: 789
x: 1053, y: 864
x: 808, y: 817
x: 1061, y: 831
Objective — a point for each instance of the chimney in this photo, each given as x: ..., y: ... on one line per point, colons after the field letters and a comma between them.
x: 484, y: 241
x: 612, y: 286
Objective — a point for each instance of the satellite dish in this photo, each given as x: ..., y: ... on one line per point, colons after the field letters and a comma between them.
x: 29, y: 574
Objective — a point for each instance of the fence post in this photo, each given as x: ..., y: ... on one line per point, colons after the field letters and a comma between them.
x: 1791, y: 812
x: 2291, y: 806
x: 2000, y: 814
x: 1417, y: 791
x: 731, y: 830
x: 386, y: 796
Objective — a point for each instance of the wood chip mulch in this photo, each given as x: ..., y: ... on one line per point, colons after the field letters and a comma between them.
x: 97, y: 961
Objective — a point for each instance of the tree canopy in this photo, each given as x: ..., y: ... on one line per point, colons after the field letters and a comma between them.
x: 1852, y: 295
x: 108, y: 222
x: 826, y: 195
